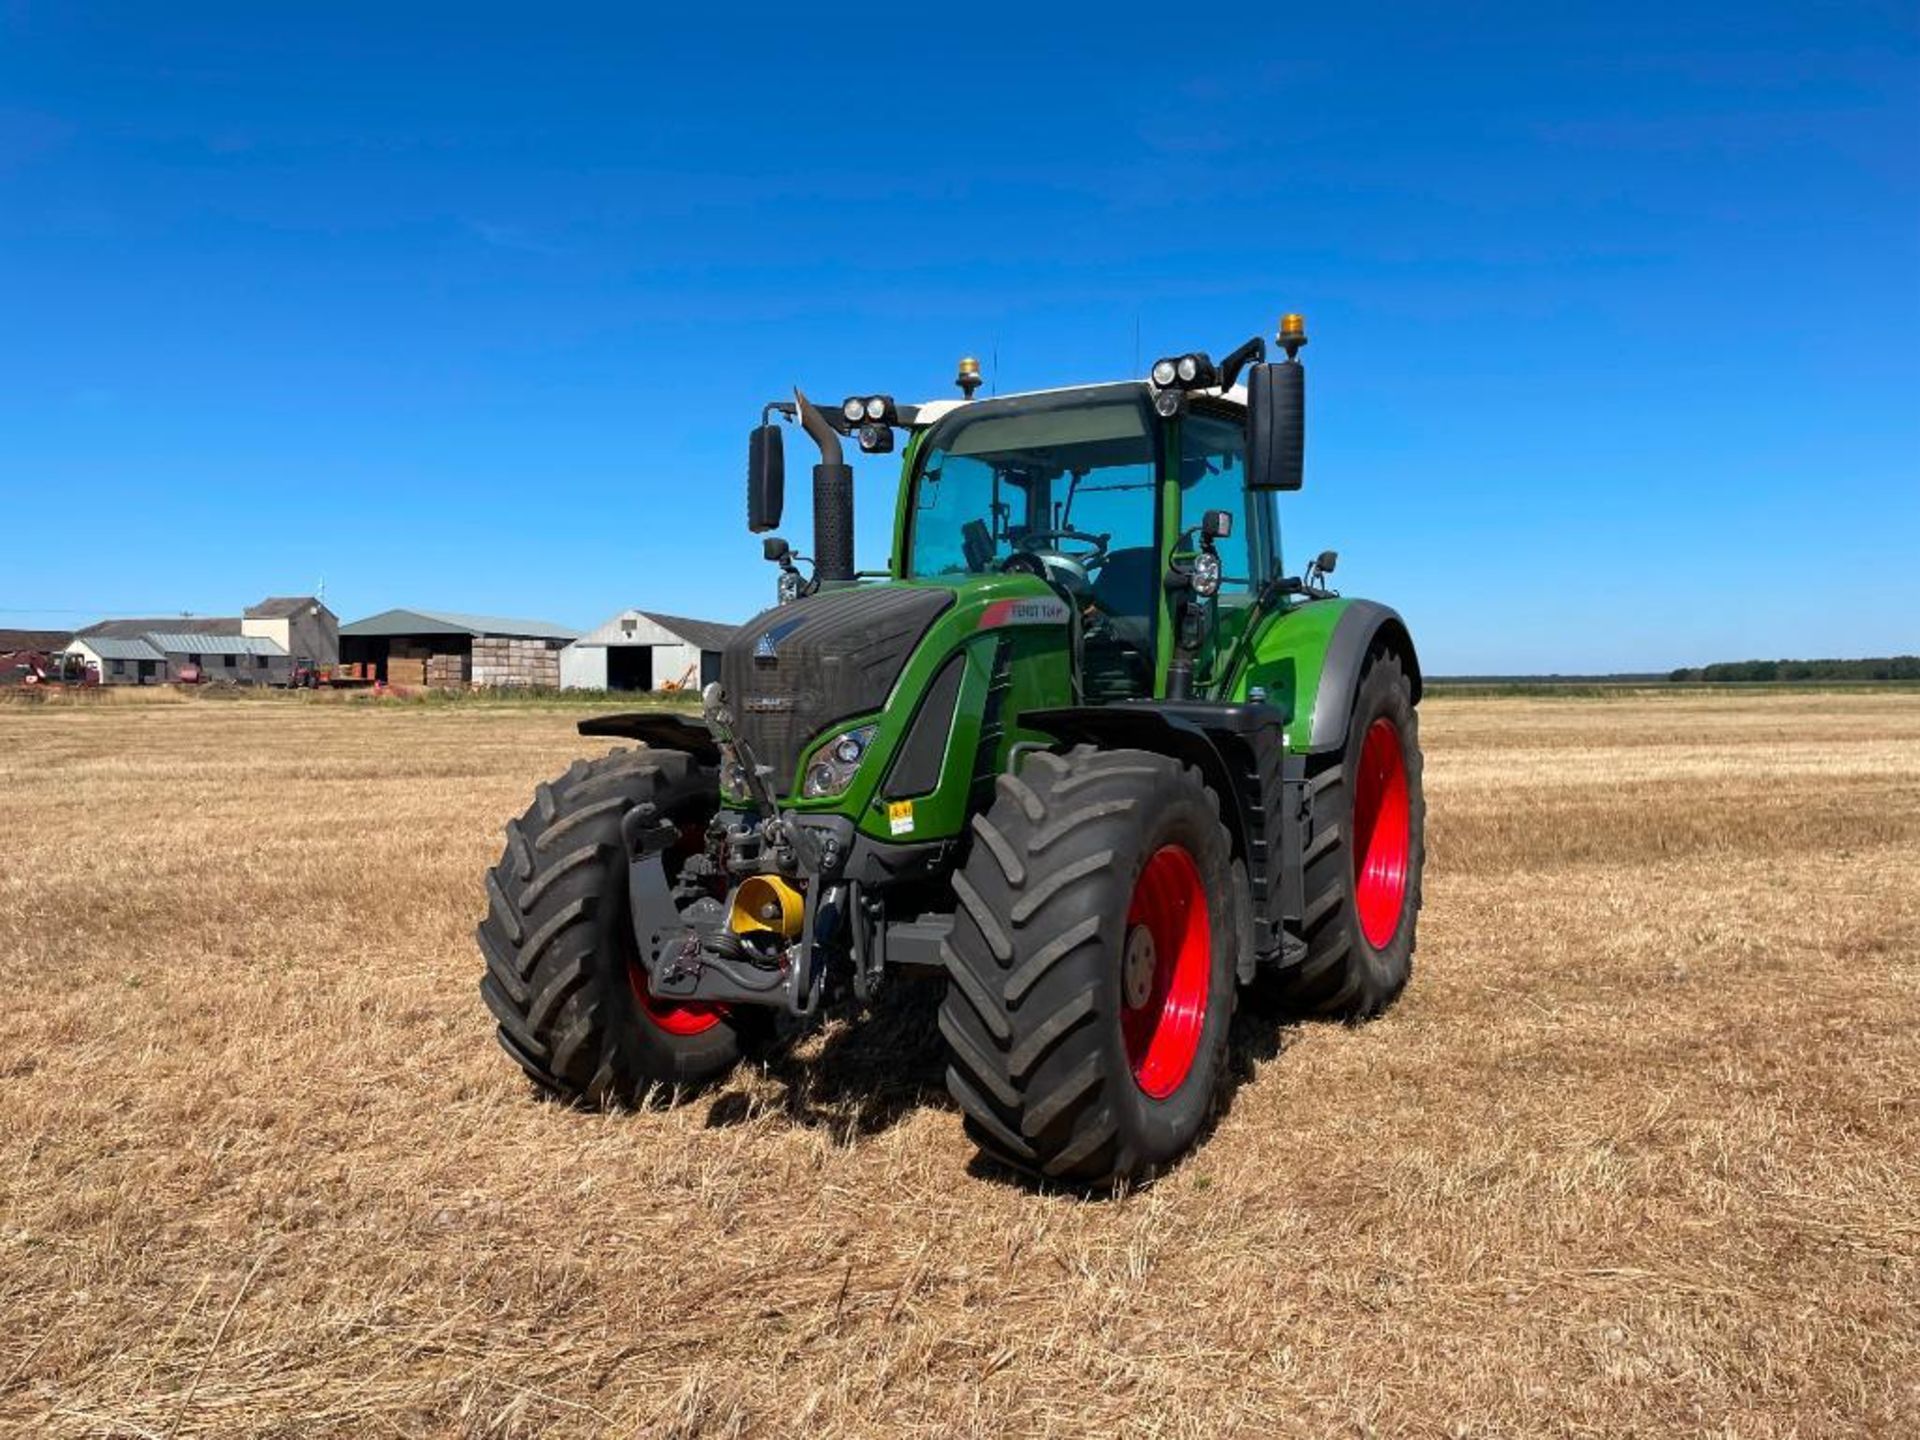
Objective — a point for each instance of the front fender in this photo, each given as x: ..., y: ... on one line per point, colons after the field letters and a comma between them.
x: 659, y: 729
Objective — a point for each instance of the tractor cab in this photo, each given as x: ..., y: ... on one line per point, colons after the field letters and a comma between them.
x: 1099, y: 496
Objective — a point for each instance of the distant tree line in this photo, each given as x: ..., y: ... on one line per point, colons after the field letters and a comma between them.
x: 1893, y: 667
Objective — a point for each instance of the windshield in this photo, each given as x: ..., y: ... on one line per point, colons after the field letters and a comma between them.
x: 1070, y: 477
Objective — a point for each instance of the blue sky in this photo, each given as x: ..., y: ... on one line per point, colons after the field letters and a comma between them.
x: 1616, y: 308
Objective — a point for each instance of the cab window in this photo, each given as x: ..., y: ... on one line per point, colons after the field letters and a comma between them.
x: 1213, y: 476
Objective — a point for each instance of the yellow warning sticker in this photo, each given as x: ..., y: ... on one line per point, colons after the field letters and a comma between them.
x: 900, y: 817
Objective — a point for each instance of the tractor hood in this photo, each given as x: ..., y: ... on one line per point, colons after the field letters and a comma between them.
x: 793, y: 671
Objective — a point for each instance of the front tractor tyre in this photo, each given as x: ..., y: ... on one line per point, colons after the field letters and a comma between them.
x: 564, y: 978
x: 1091, y: 966
x: 1364, y: 857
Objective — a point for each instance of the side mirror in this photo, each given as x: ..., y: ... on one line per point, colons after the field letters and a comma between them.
x: 1326, y: 560
x: 1216, y: 524
x: 1276, y: 426
x: 766, y: 478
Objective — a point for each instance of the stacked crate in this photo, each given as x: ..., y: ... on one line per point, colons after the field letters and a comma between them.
x: 517, y: 664
x: 407, y: 663
x: 447, y: 672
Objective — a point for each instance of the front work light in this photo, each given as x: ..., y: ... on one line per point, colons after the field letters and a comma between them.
x: 1169, y: 403
x: 1192, y: 371
x: 735, y: 783
x: 874, y: 409
x: 835, y: 764
x: 1205, y: 574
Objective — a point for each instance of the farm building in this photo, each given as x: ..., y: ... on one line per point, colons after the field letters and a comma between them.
x: 645, y: 650
x: 21, y: 650
x: 301, y: 625
x: 259, y: 648
x: 443, y: 648
x: 157, y: 657
x: 32, y: 642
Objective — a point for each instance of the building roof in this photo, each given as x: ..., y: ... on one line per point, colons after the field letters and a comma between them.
x: 118, y: 647
x: 450, y: 622
x: 194, y: 643
x: 280, y: 607
x: 707, y: 634
x: 47, y: 640
x: 168, y: 624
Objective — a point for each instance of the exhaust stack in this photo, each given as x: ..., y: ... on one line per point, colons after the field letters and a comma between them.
x: 832, y: 499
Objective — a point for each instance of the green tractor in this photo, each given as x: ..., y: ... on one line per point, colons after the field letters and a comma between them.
x: 1083, y: 750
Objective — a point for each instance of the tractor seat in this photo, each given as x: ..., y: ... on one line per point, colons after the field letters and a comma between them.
x: 1124, y: 590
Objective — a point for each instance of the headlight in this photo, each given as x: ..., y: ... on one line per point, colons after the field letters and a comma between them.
x: 1169, y: 403
x: 876, y: 407
x: 836, y: 763
x: 1188, y: 369
x: 733, y: 781
x: 853, y: 407
x: 787, y: 587
x: 1164, y: 373
x: 1206, y: 574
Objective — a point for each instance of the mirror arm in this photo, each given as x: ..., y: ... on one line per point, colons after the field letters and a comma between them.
x: 1254, y: 350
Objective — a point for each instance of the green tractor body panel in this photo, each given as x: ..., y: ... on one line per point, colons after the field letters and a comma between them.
x: 1007, y: 638
x: 1283, y: 655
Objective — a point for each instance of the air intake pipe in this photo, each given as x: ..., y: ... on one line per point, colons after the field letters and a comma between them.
x: 832, y: 499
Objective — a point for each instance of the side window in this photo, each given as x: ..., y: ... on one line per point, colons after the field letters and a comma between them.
x: 1213, y: 476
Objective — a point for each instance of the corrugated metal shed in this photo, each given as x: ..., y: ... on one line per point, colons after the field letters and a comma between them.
x: 117, y: 647
x: 707, y: 634
x: 192, y: 644
x: 451, y: 622
x: 172, y: 624
x: 659, y: 629
x: 280, y: 607
x: 40, y: 640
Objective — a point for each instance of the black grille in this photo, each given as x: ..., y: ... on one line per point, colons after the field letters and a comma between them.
x: 792, y: 671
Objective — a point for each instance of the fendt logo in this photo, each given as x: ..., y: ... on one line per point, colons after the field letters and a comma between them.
x: 767, y: 647
x: 1049, y: 610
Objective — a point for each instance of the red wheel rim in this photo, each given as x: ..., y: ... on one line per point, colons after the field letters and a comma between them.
x: 674, y: 1017
x: 1382, y: 831
x: 669, y: 1015
x: 1166, y: 971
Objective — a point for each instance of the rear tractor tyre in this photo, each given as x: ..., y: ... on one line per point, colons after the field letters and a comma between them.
x: 1364, y: 857
x: 1091, y: 966
x: 564, y: 978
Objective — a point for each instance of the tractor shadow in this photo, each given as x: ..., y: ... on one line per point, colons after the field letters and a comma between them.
x: 867, y: 1074
x: 862, y: 1077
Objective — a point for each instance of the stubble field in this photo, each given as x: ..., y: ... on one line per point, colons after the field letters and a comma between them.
x: 1637, y: 1153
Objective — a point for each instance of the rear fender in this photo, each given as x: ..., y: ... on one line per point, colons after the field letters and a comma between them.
x: 1365, y: 628
x: 1308, y: 660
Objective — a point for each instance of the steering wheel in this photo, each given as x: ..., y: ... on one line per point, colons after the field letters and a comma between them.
x: 1037, y: 540
x: 1038, y: 552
